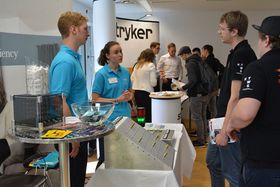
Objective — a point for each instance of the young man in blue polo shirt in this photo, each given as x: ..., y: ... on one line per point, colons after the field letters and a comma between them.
x: 67, y: 77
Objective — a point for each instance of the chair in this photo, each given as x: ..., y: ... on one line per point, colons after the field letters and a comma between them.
x: 17, y: 179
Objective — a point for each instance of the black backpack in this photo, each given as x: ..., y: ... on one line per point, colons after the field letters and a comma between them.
x: 209, y: 79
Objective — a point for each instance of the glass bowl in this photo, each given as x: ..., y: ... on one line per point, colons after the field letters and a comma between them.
x: 89, y: 112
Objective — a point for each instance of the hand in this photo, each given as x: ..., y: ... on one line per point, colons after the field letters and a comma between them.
x: 221, y: 139
x: 164, y: 80
x: 181, y: 89
x: 75, y: 149
x: 232, y: 133
x: 127, y: 95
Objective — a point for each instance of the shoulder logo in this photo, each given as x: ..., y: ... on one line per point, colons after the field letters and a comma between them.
x: 240, y: 66
x: 247, y: 83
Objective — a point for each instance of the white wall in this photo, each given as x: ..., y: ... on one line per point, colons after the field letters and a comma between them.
x: 36, y: 17
x: 197, y: 28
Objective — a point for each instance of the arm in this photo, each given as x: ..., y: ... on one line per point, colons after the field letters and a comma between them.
x: 180, y: 70
x: 153, y: 75
x: 221, y: 138
x: 242, y: 115
x: 192, y: 75
x: 67, y: 112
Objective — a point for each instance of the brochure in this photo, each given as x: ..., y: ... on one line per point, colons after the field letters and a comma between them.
x: 215, y: 126
x: 57, y: 133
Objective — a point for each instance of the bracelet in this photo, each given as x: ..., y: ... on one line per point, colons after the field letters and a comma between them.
x: 116, y: 101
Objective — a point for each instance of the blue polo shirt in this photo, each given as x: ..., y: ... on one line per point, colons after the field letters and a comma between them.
x: 110, y: 84
x: 67, y: 76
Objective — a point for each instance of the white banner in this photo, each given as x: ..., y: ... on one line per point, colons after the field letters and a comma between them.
x: 134, y: 36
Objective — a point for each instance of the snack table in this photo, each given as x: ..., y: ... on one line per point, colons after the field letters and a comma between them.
x: 79, y: 135
x: 166, y: 106
x: 182, y: 166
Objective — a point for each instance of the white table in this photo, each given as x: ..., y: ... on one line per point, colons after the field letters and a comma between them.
x: 183, y: 163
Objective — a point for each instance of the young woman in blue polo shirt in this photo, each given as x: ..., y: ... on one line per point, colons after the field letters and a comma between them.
x: 112, y: 84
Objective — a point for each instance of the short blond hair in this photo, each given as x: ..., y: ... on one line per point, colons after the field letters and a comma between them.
x: 68, y: 19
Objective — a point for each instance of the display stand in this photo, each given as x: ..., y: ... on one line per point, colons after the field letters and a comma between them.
x: 115, y: 176
x: 143, y: 150
x: 166, y: 107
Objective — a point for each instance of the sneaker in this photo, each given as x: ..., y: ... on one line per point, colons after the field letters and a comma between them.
x: 198, y: 144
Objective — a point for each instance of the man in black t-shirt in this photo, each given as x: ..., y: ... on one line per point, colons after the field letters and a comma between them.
x: 256, y: 114
x: 223, y: 159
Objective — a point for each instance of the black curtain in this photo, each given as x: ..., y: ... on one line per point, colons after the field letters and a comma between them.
x: 47, y: 52
x: 3, y: 99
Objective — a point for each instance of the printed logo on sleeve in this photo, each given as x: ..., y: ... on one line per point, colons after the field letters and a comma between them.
x: 241, y: 68
x: 247, y: 83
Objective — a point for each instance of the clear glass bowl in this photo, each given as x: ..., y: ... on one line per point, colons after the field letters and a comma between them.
x: 88, y: 113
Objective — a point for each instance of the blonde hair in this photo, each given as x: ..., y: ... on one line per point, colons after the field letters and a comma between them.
x: 146, y: 56
x: 68, y: 19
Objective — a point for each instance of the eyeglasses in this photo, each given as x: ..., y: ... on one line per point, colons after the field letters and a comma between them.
x: 223, y: 29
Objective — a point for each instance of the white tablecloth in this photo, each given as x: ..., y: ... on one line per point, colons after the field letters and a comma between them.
x: 183, y: 163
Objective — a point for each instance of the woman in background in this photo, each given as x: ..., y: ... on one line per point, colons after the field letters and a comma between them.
x: 112, y: 85
x: 143, y: 81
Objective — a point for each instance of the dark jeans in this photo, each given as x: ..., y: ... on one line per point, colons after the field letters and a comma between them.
x: 143, y: 100
x: 224, y: 162
x: 259, y: 177
x: 198, y: 114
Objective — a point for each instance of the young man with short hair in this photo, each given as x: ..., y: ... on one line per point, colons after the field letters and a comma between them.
x: 67, y: 77
x: 223, y: 159
x: 171, y: 67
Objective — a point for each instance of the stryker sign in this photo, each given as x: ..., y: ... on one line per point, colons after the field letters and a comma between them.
x: 134, y: 36
x: 8, y: 54
x: 132, y: 32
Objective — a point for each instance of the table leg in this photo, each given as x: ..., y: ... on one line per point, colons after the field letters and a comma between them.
x: 64, y: 164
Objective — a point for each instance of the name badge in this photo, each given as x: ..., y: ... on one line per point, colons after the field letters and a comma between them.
x: 113, y: 80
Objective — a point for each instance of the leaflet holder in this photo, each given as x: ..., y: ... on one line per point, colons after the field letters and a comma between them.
x: 36, y: 112
x: 131, y: 146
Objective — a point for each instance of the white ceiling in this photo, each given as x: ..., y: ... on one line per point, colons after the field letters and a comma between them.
x: 207, y: 5
x: 10, y: 8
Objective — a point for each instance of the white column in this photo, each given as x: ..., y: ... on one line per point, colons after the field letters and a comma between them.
x: 104, y: 26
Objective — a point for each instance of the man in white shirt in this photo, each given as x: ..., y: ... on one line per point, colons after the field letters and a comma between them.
x: 170, y: 66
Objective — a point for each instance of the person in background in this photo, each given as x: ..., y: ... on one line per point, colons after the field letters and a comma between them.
x: 155, y: 47
x: 256, y: 115
x: 67, y: 77
x: 208, y: 56
x: 112, y: 84
x: 143, y: 80
x: 170, y: 67
x: 197, y: 51
x: 196, y: 93
x: 223, y: 159
x: 183, y: 57
x: 218, y: 68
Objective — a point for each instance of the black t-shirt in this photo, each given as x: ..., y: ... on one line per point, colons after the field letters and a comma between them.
x: 261, y: 81
x: 237, y: 61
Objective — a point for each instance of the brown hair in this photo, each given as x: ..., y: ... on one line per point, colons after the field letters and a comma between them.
x: 154, y: 44
x: 274, y: 41
x: 68, y: 19
x: 171, y: 45
x: 236, y: 20
x: 102, y: 59
x: 146, y: 56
